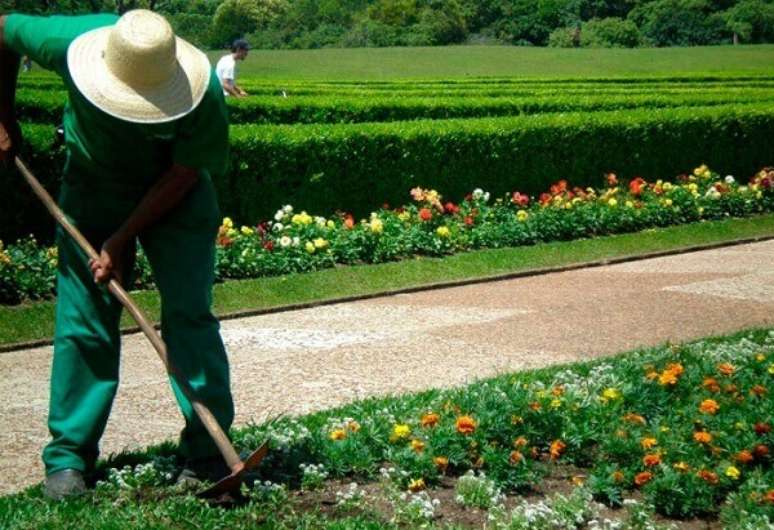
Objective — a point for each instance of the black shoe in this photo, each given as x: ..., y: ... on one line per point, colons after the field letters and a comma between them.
x: 196, y: 471
x: 65, y: 483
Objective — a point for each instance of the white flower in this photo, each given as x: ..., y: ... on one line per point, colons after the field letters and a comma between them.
x: 486, y: 197
x: 478, y: 193
x: 287, y: 208
x: 730, y: 179
x: 279, y: 215
x: 285, y: 241
x: 320, y: 221
x: 279, y: 227
x: 296, y: 241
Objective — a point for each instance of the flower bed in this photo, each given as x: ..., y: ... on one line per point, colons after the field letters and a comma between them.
x: 684, y: 429
x: 685, y: 425
x: 298, y: 242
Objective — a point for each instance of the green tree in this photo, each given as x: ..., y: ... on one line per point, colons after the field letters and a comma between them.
x: 237, y: 18
x: 751, y: 20
x: 611, y: 32
x: 678, y: 22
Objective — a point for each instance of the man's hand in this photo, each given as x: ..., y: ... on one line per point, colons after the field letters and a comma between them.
x: 111, y: 261
x: 10, y: 140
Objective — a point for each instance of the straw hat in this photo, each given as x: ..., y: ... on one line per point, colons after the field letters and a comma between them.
x: 138, y: 71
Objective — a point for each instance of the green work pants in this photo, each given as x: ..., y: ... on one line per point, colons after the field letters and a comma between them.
x: 84, y: 376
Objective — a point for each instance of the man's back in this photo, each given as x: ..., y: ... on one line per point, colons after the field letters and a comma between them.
x: 226, y: 70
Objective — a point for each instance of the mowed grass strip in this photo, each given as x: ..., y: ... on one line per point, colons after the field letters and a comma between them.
x: 35, y: 322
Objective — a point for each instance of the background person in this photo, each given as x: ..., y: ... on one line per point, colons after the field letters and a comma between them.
x: 226, y: 69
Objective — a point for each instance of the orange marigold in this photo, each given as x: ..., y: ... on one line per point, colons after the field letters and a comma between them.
x: 758, y: 390
x: 648, y: 443
x: 466, y: 425
x: 430, y: 419
x: 711, y: 384
x: 631, y: 417
x: 703, y: 437
x: 417, y: 445
x: 760, y: 451
x: 643, y: 478
x: 709, y: 406
x: 521, y: 441
x: 744, y: 457
x: 515, y: 457
x: 675, y: 368
x: 667, y: 378
x: 708, y: 476
x: 769, y: 497
x: 338, y: 434
x: 534, y: 406
x: 441, y: 463
x: 557, y: 448
x: 617, y: 476
x: 651, y: 460
x: 651, y: 375
x: 726, y: 369
x: 557, y: 391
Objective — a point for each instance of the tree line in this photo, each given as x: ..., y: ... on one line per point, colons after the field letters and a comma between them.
x: 374, y: 23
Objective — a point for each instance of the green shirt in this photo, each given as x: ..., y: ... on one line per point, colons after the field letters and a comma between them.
x: 107, y: 152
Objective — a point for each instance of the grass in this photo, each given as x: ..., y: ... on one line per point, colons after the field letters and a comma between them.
x: 601, y: 411
x: 33, y: 322
x: 501, y: 61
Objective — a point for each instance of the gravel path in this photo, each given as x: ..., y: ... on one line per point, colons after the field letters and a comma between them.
x: 301, y: 361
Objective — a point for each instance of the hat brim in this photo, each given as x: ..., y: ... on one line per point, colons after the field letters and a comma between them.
x: 166, y: 102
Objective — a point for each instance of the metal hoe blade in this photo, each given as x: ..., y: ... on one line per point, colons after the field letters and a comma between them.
x: 232, y: 482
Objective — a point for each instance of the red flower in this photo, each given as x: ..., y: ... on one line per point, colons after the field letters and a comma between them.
x: 520, y: 199
x: 269, y: 245
x: 762, y: 428
x: 469, y: 197
x: 545, y: 199
x: 425, y: 214
x: 760, y: 451
x: 636, y: 186
x: 452, y: 208
x: 612, y: 180
x: 559, y: 188
x: 469, y: 220
x: 349, y: 222
x: 386, y: 206
x: 643, y: 478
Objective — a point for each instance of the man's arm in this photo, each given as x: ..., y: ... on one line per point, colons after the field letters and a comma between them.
x: 10, y: 134
x: 230, y: 87
x: 160, y: 199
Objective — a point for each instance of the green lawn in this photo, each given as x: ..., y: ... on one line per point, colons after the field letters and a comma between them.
x: 33, y: 322
x: 501, y: 61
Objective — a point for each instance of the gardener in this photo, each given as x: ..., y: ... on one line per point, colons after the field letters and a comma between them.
x: 145, y: 129
x: 226, y: 68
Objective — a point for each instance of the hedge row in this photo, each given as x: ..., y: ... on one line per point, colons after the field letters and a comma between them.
x: 47, y: 107
x: 327, y: 167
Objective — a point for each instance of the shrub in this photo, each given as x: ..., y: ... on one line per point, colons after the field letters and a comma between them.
x: 610, y: 32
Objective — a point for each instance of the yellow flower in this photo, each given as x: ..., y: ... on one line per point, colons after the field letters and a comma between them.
x: 417, y: 445
x: 732, y: 472
x: 404, y: 216
x: 667, y: 202
x: 667, y: 186
x: 648, y: 443
x: 443, y: 231
x: 309, y: 247
x: 681, y: 466
x: 522, y: 215
x: 330, y: 224
x: 611, y: 394
x: 320, y: 243
x: 228, y: 223
x: 701, y: 210
x: 771, y: 368
x: 338, y: 434
x: 247, y: 231
x: 302, y: 218
x: 401, y: 431
x: 612, y: 203
x: 629, y: 204
x: 556, y: 403
x: 760, y: 357
x: 376, y: 225
x: 416, y: 485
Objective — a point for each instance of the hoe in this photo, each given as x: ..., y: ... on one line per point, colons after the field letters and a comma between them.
x: 228, y: 484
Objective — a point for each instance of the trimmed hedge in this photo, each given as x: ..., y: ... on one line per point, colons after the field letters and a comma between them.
x: 47, y: 106
x: 328, y: 167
